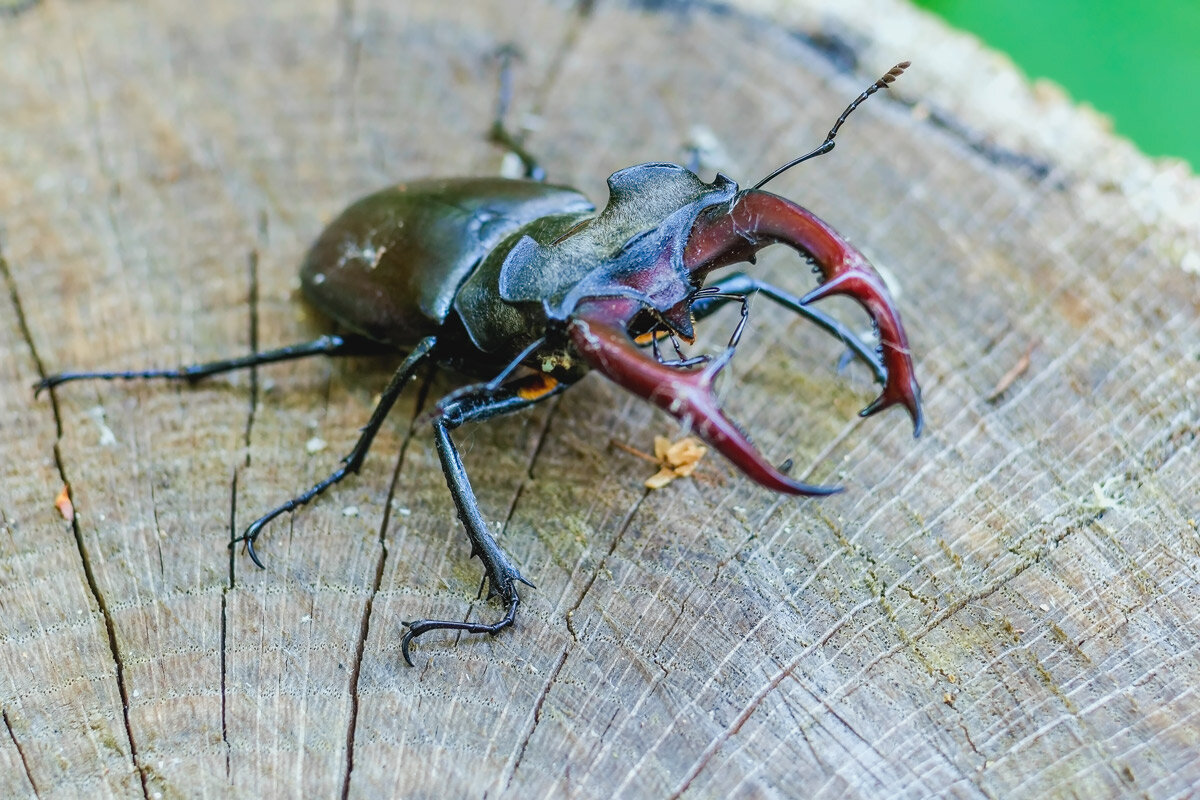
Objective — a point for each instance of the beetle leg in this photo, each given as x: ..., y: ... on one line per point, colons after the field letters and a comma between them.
x: 682, y: 361
x: 324, y: 346
x: 499, y: 133
x: 686, y: 361
x: 742, y: 284
x: 502, y: 575
x: 352, y: 462
x: 736, y: 336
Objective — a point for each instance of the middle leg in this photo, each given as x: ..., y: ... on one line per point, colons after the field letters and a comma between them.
x: 479, y: 403
x: 353, y: 461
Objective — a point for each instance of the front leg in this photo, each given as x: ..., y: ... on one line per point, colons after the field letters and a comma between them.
x: 742, y: 284
x: 479, y: 403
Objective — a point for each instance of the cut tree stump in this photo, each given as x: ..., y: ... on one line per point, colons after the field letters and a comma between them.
x: 1006, y: 607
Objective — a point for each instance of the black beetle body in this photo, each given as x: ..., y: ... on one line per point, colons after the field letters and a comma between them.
x: 390, y: 266
x: 520, y: 283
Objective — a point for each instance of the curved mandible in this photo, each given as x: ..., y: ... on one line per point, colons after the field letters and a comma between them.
x: 734, y: 233
x: 598, y: 330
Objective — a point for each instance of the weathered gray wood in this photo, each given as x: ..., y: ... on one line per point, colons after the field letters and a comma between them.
x: 1005, y: 608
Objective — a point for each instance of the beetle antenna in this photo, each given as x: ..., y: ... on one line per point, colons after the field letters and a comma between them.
x: 827, y: 145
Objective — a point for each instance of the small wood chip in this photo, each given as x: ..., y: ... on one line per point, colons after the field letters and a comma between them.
x: 676, y: 460
x: 64, y: 505
x: 1010, y: 377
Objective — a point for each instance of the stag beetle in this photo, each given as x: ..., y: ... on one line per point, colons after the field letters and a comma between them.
x: 479, y: 272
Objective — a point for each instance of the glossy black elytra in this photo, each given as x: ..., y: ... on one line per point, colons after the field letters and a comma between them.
x: 476, y: 272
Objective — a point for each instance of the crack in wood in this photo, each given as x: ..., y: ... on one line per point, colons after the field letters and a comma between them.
x: 351, y: 40
x: 224, y: 634
x: 622, y: 527
x: 535, y: 717
x: 377, y: 581
x: 20, y: 753
x: 110, y: 627
x: 93, y: 587
x: 10, y: 284
x: 253, y: 314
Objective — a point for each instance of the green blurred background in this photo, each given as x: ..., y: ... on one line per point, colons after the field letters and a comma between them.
x: 1138, y: 63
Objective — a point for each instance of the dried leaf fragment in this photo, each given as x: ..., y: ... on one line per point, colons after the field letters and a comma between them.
x: 675, y: 459
x: 64, y: 505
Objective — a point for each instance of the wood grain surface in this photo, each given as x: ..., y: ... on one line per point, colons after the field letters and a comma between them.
x: 1006, y: 607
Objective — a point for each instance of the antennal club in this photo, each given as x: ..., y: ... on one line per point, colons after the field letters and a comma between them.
x: 827, y: 145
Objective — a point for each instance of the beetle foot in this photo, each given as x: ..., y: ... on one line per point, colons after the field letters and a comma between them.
x: 252, y: 533
x: 255, y: 529
x: 422, y: 626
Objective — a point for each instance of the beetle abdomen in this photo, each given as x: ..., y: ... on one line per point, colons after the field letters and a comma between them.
x: 390, y: 265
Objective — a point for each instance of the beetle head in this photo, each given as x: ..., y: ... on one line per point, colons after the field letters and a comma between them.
x: 723, y: 232
x: 721, y: 235
x: 633, y: 248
